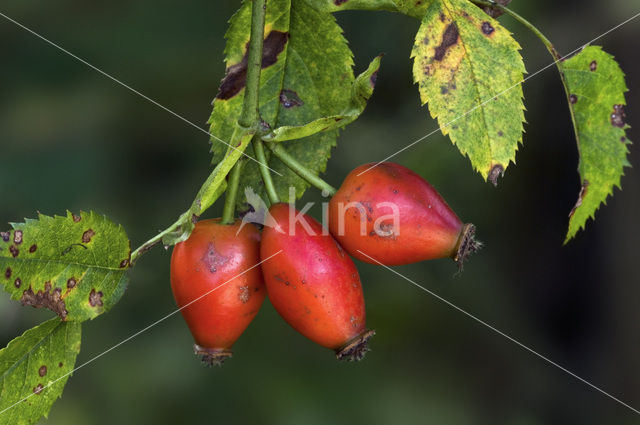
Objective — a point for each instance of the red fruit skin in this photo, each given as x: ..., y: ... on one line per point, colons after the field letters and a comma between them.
x: 312, y: 283
x: 426, y: 228
x: 214, y: 256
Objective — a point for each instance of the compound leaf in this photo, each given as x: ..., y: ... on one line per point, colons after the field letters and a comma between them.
x: 596, y: 86
x: 469, y: 69
x: 74, y: 265
x: 34, y: 369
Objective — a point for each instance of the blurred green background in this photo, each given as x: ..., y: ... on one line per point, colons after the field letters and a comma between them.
x: 72, y: 139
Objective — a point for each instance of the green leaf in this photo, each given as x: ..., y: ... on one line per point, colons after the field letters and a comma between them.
x: 74, y: 265
x: 36, y: 366
x: 414, y: 8
x: 360, y: 94
x: 469, y: 69
x: 306, y: 75
x: 596, y: 86
x: 338, y: 5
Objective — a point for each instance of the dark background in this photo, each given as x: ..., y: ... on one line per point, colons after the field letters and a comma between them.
x: 72, y: 139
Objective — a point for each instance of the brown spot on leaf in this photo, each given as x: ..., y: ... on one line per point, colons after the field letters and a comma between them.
x: 72, y: 282
x: 493, y: 11
x: 583, y: 193
x: 17, y: 237
x: 124, y: 263
x: 76, y: 218
x: 7, y: 273
x: 33, y: 248
x: 5, y: 236
x: 213, y: 259
x: 339, y: 2
x: 290, y: 99
x: 243, y: 294
x: 618, y: 116
x: 449, y: 38
x: 14, y: 251
x: 42, y: 371
x: 38, y: 389
x: 236, y: 76
x: 496, y: 171
x: 47, y: 299
x: 373, y: 79
x: 487, y: 29
x: 593, y: 65
x: 87, y: 235
x: 95, y: 298
x: 573, y: 99
x: 442, y: 17
x: 17, y: 283
x: 60, y: 364
x: 500, y: 133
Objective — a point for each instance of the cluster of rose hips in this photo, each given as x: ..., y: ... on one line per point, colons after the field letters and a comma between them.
x: 387, y: 215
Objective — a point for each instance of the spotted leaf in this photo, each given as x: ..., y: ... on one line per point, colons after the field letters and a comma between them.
x: 596, y: 88
x: 338, y: 5
x: 306, y: 75
x: 34, y: 369
x: 74, y: 265
x: 360, y: 93
x: 414, y: 8
x: 469, y: 69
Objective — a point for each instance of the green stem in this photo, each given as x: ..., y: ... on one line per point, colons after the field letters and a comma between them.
x: 308, y: 175
x: 155, y: 240
x: 258, y: 148
x: 250, y: 115
x: 249, y: 119
x: 228, y: 212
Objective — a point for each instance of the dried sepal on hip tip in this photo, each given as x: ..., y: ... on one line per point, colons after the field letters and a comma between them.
x: 355, y: 349
x: 467, y: 244
x: 212, y: 356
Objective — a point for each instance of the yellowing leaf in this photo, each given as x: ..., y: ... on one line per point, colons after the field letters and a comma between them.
x: 596, y: 91
x: 469, y: 69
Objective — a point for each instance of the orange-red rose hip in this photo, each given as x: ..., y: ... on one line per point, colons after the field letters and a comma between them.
x: 218, y: 260
x: 388, y: 214
x: 313, y: 283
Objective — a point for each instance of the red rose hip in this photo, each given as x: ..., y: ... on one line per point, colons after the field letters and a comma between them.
x: 313, y: 283
x: 391, y: 215
x: 218, y: 260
